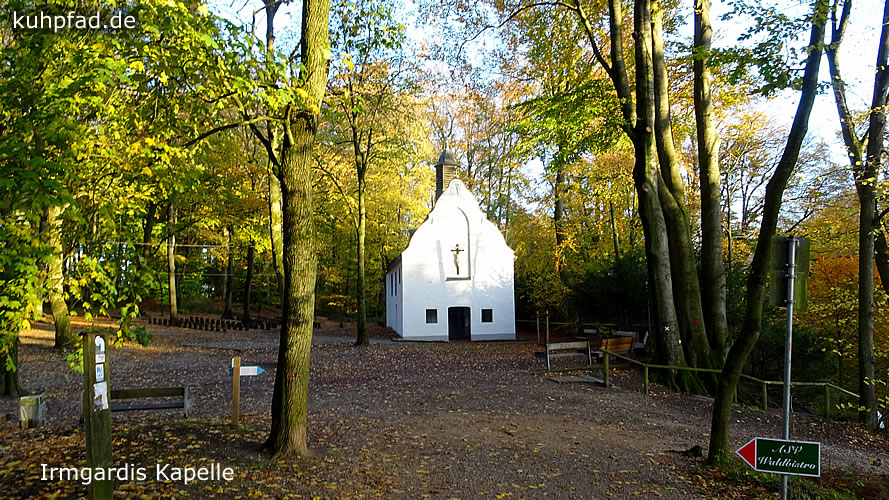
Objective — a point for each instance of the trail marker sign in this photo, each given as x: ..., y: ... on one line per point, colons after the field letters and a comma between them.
x: 247, y: 371
x: 799, y: 458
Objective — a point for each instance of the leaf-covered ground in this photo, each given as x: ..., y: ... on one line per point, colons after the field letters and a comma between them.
x: 400, y: 420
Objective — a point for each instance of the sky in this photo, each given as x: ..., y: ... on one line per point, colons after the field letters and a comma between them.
x: 857, y: 57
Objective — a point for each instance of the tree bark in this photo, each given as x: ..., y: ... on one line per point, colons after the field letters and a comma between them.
x: 865, y: 165
x: 875, y: 146
x: 227, y: 312
x: 362, y: 337
x: 713, y: 277
x: 559, y: 219
x: 248, y: 286
x: 686, y: 290
x: 759, y: 268
x: 55, y: 280
x: 171, y: 263
x: 147, y: 229
x: 290, y: 399
x: 646, y: 178
x: 9, y: 379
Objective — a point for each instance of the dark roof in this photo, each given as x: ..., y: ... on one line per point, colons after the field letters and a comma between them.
x: 446, y: 158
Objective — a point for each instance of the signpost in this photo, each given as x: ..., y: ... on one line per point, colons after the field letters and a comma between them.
x: 790, y: 267
x: 96, y: 412
x: 799, y: 458
x: 243, y: 371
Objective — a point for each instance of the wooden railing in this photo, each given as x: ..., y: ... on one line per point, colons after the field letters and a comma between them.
x: 763, y: 383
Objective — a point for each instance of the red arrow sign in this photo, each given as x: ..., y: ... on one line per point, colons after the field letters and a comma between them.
x: 748, y: 452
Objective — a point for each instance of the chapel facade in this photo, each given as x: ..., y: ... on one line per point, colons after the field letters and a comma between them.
x: 454, y: 281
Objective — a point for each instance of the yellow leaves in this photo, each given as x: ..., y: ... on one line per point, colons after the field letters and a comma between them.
x: 137, y: 65
x: 146, y: 171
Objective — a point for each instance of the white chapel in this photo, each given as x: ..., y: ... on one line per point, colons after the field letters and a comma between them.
x: 454, y: 281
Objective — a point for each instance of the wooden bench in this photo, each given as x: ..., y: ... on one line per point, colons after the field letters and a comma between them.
x: 155, y: 392
x: 575, y: 347
x: 617, y: 345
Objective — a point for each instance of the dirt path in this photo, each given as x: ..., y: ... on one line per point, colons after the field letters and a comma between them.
x: 402, y: 420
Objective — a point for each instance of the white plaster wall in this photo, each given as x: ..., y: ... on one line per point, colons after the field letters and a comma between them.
x: 486, y: 281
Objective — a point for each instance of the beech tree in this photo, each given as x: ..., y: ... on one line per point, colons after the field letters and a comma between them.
x: 759, y: 268
x: 290, y: 107
x: 865, y: 156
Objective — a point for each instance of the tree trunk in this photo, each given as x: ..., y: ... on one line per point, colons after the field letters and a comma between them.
x: 875, y: 147
x: 713, y: 278
x: 559, y: 218
x: 361, y: 233
x: 9, y: 379
x: 290, y: 399
x: 228, y: 312
x: 686, y: 290
x: 646, y: 179
x: 867, y: 399
x: 248, y: 285
x: 275, y: 222
x: 881, y: 256
x: 864, y: 165
x: 55, y: 280
x: 171, y: 262
x: 147, y: 229
x: 759, y: 268
x: 615, y: 238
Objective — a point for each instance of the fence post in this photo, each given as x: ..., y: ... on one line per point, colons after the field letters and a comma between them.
x: 765, y: 396
x: 605, y: 376
x: 547, y: 326
x: 538, y: 327
x: 645, y: 379
x: 826, y: 401
x: 236, y: 389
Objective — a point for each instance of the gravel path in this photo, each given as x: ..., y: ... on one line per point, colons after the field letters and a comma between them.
x: 453, y: 420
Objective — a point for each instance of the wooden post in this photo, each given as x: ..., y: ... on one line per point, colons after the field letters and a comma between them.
x: 538, y: 327
x: 606, y: 374
x: 765, y: 396
x: 97, y: 412
x: 826, y: 401
x: 547, y: 326
x: 236, y: 387
x: 645, y: 379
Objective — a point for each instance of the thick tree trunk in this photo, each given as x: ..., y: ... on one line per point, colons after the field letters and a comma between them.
x: 687, y: 292
x: 759, y: 268
x: 646, y: 178
x: 875, y: 148
x: 290, y: 399
x: 867, y: 399
x: 228, y: 312
x: 864, y: 165
x: 362, y: 338
x: 276, y: 221
x: 713, y: 278
x: 55, y: 280
x: 171, y: 263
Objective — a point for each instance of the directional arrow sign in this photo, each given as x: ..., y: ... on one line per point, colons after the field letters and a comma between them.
x: 247, y: 371
x: 800, y: 458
